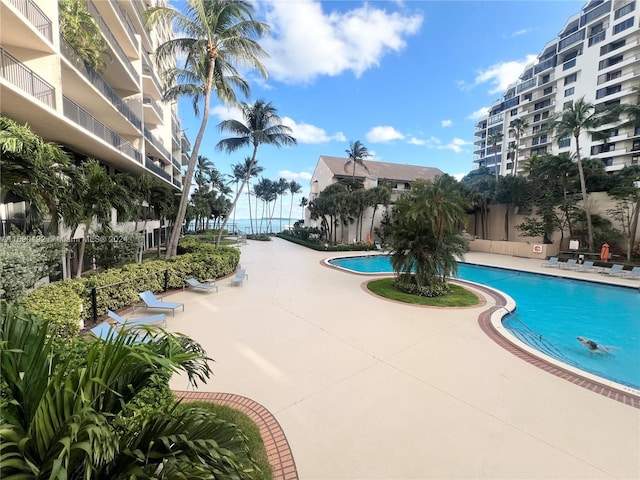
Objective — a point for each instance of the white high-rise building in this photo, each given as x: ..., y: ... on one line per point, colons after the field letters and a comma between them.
x: 595, y: 56
x: 113, y: 114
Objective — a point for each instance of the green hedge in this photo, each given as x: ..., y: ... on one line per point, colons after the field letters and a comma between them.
x: 68, y: 302
x: 327, y: 247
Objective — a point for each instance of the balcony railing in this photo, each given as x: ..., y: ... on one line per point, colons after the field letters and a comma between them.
x: 526, y: 85
x: 111, y: 40
x: 148, y: 70
x: 126, y: 21
x: 176, y: 163
x: 97, y: 81
x: 154, y: 104
x: 156, y: 169
x: 26, y: 79
x: 156, y: 143
x: 36, y: 17
x: 87, y: 121
x: 176, y: 182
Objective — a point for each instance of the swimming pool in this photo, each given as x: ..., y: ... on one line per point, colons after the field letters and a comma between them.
x: 552, y: 311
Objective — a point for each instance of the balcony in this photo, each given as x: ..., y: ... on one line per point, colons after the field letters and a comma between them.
x: 571, y: 39
x: 26, y: 79
x: 157, y: 145
x: 112, y: 42
x: 87, y: 121
x: 176, y: 164
x: 153, y: 111
x: 35, y: 16
x: 99, y: 83
x: 149, y: 75
x: 148, y: 163
x: 526, y: 85
x: 176, y: 182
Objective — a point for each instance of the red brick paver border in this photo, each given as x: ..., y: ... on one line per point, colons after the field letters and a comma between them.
x: 484, y: 321
x: 283, y: 466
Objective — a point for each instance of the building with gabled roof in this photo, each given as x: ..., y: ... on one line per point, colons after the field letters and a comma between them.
x: 397, y: 176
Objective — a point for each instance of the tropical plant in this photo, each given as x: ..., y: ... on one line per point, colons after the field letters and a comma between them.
x: 512, y: 192
x: 495, y: 138
x: 425, y: 236
x: 481, y: 187
x: 357, y: 153
x: 261, y: 125
x: 577, y: 117
x: 80, y: 30
x: 70, y: 416
x: 32, y: 170
x: 294, y: 187
x: 517, y: 128
x: 213, y: 35
x: 627, y: 207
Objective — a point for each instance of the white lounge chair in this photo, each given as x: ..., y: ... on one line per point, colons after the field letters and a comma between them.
x: 616, y: 269
x: 151, y: 301
x: 569, y: 264
x: 208, y: 287
x: 241, y: 275
x: 633, y: 273
x: 586, y: 267
x: 552, y: 262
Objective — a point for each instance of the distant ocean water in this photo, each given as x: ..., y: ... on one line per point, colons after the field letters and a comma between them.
x: 243, y: 225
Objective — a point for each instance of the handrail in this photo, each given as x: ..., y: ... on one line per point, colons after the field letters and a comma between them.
x: 36, y: 17
x: 26, y: 79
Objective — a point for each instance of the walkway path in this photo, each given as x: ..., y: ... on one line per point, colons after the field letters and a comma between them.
x: 368, y: 389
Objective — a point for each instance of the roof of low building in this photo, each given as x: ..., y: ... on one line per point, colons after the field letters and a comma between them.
x: 382, y: 170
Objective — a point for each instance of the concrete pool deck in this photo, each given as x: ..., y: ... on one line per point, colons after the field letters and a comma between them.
x: 365, y: 388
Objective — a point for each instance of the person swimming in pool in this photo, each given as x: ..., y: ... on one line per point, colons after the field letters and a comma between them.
x: 592, y: 345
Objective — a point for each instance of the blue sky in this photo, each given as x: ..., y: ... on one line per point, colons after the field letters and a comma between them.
x: 406, y: 78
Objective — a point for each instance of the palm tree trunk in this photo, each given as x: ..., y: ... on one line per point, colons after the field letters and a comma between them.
x: 172, y: 244
x: 506, y: 222
x: 244, y: 182
x: 249, y: 200
x: 585, y: 199
x: 632, y: 230
x: 290, y: 211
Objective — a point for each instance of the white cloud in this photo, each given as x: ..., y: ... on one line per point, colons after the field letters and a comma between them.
x: 478, y: 114
x: 416, y: 141
x: 306, y: 133
x: 455, y: 145
x: 522, y: 31
x: 459, y: 176
x: 307, y: 42
x: 503, y: 74
x: 289, y: 175
x: 382, y: 134
x: 446, y: 123
x: 224, y: 113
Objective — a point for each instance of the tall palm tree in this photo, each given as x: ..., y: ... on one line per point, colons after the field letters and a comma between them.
x: 283, y: 188
x: 495, y: 138
x: 577, y: 117
x: 65, y: 416
x: 214, y: 34
x: 357, y: 153
x: 517, y: 128
x: 261, y: 125
x: 294, y: 187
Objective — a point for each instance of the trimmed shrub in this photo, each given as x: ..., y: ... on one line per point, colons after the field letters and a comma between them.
x: 111, y: 247
x: 407, y: 284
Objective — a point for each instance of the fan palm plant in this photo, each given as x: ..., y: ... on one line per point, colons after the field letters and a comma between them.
x: 213, y: 35
x: 72, y: 417
x: 357, y: 153
x: 261, y: 125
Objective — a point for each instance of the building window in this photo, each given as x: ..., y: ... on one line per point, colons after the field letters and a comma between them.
x: 570, y: 78
x: 634, y: 159
x: 603, y: 92
x: 528, y: 97
x: 536, y: 117
x: 636, y: 146
x: 545, y: 79
x: 628, y: 23
x: 607, y: 161
x: 543, y: 104
x: 569, y: 91
x: 514, y: 112
x: 621, y: 12
x: 612, y: 46
x: 610, y: 61
x: 569, y: 64
x: 564, y: 142
x: 547, y: 91
x: 545, y: 115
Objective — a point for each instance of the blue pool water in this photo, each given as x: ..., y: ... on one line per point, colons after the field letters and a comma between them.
x: 552, y: 311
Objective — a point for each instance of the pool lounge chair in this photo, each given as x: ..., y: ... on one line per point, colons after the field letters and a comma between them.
x: 151, y: 301
x: 106, y: 330
x: 633, y: 273
x: 241, y: 275
x: 569, y: 264
x: 616, y: 269
x: 192, y: 282
x: 586, y: 267
x: 150, y: 320
x: 552, y: 262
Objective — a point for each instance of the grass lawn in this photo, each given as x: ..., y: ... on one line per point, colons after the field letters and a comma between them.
x: 250, y: 429
x: 459, y: 297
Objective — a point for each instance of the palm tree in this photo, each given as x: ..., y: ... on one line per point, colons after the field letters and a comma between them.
x: 214, y: 34
x: 495, y: 138
x: 578, y: 117
x: 380, y: 195
x: 517, y: 128
x: 262, y: 125
x: 32, y: 170
x: 357, y: 152
x: 283, y: 188
x: 294, y: 187
x: 75, y: 416
x: 426, y: 235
